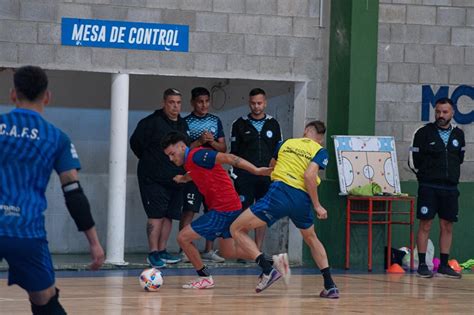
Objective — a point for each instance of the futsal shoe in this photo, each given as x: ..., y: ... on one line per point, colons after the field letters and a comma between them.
x: 200, y: 283
x: 267, y: 280
x: 448, y: 272
x: 332, y: 293
x: 424, y: 272
x: 212, y: 256
x: 281, y: 263
x: 168, y: 258
x: 154, y: 260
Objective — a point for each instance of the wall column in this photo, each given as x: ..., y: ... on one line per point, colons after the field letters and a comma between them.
x: 117, y: 169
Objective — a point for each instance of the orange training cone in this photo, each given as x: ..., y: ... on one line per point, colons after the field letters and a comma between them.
x: 395, y: 268
x: 453, y: 263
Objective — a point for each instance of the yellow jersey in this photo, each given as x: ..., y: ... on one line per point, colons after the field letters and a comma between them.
x: 293, y: 158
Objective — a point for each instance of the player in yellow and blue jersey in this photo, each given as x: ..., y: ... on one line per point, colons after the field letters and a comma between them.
x: 293, y: 193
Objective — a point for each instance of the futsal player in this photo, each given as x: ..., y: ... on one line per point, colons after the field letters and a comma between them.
x: 30, y: 148
x: 203, y: 167
x: 293, y: 193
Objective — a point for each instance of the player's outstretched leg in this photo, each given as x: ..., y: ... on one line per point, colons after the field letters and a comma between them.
x: 239, y: 230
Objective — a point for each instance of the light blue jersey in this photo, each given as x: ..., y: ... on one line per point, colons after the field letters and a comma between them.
x: 197, y: 126
x: 30, y: 148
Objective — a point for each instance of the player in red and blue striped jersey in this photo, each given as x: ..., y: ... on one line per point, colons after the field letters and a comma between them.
x: 30, y: 148
x: 203, y: 167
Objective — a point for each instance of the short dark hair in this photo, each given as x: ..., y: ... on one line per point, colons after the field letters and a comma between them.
x: 171, y: 138
x: 199, y: 91
x: 318, y: 125
x: 171, y: 92
x: 30, y: 83
x: 445, y: 100
x: 257, y: 91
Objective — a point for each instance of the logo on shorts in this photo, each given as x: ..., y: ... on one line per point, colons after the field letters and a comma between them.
x: 269, y: 133
x: 455, y: 142
x: 242, y: 198
x: 424, y: 210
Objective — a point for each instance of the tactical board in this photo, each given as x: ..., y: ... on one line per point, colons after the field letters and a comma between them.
x: 362, y: 160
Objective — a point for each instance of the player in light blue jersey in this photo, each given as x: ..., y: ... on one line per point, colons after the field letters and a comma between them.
x: 30, y: 148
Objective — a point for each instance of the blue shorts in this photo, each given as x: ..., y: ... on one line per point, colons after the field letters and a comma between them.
x: 215, y: 224
x: 29, y: 262
x: 282, y: 201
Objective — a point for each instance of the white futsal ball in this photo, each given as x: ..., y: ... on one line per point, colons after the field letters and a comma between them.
x: 151, y: 279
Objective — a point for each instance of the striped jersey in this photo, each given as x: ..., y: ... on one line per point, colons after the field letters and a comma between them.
x: 30, y: 148
x: 197, y: 125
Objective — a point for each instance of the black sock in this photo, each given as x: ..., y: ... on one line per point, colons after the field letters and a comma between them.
x: 328, y: 282
x: 421, y: 258
x: 269, y: 259
x: 264, y: 264
x: 443, y: 259
x: 53, y: 307
x: 203, y: 272
x: 162, y: 251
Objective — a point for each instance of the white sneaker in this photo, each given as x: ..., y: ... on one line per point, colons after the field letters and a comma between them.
x: 267, y: 280
x: 200, y: 283
x: 281, y: 263
x: 212, y: 256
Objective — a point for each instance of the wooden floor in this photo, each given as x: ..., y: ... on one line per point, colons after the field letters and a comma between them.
x: 234, y: 294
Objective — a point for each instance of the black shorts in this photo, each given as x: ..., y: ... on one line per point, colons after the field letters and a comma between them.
x: 251, y: 188
x: 432, y: 201
x: 161, y: 201
x: 192, y: 198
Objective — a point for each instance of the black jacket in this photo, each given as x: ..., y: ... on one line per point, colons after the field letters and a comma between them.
x: 153, y: 164
x: 248, y: 143
x: 432, y: 161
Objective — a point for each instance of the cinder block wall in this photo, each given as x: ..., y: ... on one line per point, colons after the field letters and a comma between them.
x: 278, y: 40
x: 422, y: 42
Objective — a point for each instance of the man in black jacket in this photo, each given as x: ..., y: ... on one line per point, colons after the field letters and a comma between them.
x: 254, y: 137
x: 162, y: 198
x: 436, y: 156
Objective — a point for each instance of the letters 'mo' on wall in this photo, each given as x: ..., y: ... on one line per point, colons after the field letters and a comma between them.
x: 125, y: 35
x: 429, y: 97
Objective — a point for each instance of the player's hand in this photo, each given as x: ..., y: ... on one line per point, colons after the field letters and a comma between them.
x: 264, y: 171
x: 207, y: 137
x: 321, y: 213
x: 180, y: 179
x: 98, y: 256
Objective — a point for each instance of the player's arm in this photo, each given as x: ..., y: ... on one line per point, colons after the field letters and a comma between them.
x: 273, y: 162
x: 418, y: 149
x: 219, y: 145
x: 235, y: 161
x: 79, y: 209
x: 137, y: 140
x: 234, y: 138
x: 196, y: 143
x: 182, y: 179
x: 311, y: 185
x: 462, y: 150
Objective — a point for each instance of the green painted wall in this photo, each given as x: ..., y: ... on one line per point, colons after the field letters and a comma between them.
x: 351, y: 110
